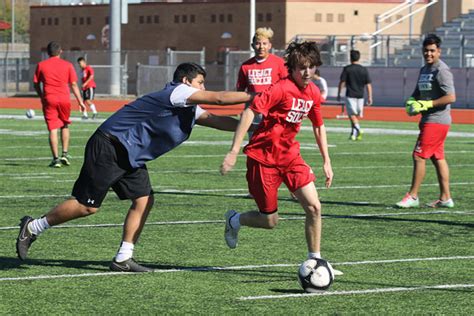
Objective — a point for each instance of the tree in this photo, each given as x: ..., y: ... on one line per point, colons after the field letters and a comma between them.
x: 22, y: 19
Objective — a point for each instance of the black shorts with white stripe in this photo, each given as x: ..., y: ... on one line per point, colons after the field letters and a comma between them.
x: 88, y: 94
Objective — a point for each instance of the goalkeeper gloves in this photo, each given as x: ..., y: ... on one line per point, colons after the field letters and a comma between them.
x: 414, y: 107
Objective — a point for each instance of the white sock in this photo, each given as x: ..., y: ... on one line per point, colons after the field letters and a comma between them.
x: 92, y: 106
x: 84, y: 113
x: 235, y: 221
x: 357, y: 127
x: 316, y: 255
x: 125, y: 252
x: 38, y: 226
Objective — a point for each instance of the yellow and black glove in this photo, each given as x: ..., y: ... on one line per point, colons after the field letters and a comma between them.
x: 414, y: 107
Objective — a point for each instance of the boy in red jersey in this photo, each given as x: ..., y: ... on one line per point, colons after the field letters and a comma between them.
x: 274, y: 154
x: 56, y: 76
x: 88, y: 87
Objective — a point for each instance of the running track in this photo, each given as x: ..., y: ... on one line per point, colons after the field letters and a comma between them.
x: 460, y: 116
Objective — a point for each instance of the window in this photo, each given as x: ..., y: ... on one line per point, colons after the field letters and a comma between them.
x: 388, y: 20
x: 221, y: 18
x: 268, y: 17
x: 176, y: 19
x: 230, y: 18
x: 141, y: 19
x: 329, y: 17
x: 81, y: 20
x: 356, y: 12
x: 399, y: 16
x: 184, y: 18
x: 106, y: 20
x: 88, y: 20
x: 193, y: 18
x: 213, y: 18
x: 43, y: 21
x: 50, y: 21
x: 148, y: 19
x: 340, y: 18
x: 260, y: 17
x: 156, y: 19
x: 56, y: 21
x: 318, y: 17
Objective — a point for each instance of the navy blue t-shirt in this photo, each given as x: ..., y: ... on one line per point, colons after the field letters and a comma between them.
x: 155, y: 123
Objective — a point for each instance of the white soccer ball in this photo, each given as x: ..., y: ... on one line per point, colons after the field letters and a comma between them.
x: 315, y: 275
x: 30, y: 113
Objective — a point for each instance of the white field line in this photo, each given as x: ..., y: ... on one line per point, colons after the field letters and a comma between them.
x: 369, y: 291
x: 28, y: 175
x: 177, y: 191
x: 201, y: 222
x: 228, y: 268
x: 378, y: 131
x: 347, y: 153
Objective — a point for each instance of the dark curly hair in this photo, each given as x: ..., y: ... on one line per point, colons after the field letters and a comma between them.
x: 302, y: 54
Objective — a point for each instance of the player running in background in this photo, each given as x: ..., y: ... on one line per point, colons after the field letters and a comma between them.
x: 52, y: 80
x: 116, y: 156
x: 322, y: 84
x: 264, y: 69
x: 273, y: 154
x: 88, y: 87
x: 432, y: 97
x: 355, y: 78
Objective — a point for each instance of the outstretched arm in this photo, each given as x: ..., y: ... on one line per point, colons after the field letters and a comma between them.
x: 223, y: 123
x: 321, y: 140
x: 244, y: 124
x: 219, y: 98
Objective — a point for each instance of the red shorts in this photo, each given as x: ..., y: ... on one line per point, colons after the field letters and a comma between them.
x: 430, y: 142
x: 264, y: 181
x: 56, y: 113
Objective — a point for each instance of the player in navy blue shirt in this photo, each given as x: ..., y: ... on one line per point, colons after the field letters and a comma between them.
x: 116, y: 155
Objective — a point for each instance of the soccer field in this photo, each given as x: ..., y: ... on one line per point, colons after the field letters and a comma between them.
x: 417, y: 261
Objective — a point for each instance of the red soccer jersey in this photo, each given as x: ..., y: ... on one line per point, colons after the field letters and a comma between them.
x: 86, y: 74
x: 283, y: 106
x: 56, y: 74
x: 257, y: 76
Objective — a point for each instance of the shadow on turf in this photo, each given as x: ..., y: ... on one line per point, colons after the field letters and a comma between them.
x: 393, y: 219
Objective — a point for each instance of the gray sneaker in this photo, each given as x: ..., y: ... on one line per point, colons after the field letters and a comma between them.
x: 230, y: 233
x: 25, y: 238
x: 129, y: 265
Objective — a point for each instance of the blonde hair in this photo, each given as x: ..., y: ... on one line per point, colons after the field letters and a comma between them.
x: 263, y: 32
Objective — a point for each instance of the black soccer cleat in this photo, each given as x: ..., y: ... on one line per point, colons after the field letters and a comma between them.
x: 25, y: 238
x: 129, y: 265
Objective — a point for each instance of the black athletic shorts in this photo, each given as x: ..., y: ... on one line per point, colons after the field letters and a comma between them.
x: 106, y: 165
x: 88, y: 94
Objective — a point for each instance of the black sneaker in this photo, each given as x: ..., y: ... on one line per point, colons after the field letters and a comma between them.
x: 25, y: 238
x: 129, y: 265
x: 55, y: 163
x: 65, y: 159
x: 95, y: 115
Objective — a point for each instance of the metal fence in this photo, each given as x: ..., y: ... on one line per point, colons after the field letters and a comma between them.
x: 146, y: 71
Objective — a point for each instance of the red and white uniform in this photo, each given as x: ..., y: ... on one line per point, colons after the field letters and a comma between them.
x: 88, y: 72
x: 273, y: 152
x: 56, y: 74
x: 256, y: 76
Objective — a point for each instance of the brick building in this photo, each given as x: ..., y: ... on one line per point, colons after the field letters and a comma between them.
x: 219, y: 24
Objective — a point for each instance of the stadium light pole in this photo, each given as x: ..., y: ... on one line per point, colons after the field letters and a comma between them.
x: 115, y: 46
x: 252, y: 21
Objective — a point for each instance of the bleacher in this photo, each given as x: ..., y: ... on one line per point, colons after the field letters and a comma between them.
x: 457, y: 45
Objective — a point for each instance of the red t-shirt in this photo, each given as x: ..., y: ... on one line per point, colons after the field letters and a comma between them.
x: 255, y: 76
x: 86, y: 74
x: 283, y: 106
x: 56, y: 74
